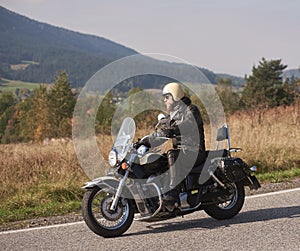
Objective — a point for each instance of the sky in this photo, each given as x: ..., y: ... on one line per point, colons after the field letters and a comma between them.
x: 225, y: 36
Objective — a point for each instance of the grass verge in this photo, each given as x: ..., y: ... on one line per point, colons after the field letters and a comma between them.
x: 42, y: 201
x: 278, y: 176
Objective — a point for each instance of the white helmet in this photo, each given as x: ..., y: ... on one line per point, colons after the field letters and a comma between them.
x: 174, y: 89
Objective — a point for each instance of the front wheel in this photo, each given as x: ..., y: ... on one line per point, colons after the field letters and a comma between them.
x: 98, y: 216
x: 229, y: 208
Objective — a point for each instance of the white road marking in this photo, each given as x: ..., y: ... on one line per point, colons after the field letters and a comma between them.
x: 81, y: 222
x: 273, y: 193
x: 43, y: 227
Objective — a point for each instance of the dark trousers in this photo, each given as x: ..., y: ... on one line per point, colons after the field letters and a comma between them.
x: 181, y: 163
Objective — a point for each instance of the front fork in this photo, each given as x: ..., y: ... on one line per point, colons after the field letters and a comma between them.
x: 122, y: 182
x: 119, y: 191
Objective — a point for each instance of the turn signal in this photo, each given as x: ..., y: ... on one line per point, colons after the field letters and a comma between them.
x: 253, y: 169
x: 124, y: 166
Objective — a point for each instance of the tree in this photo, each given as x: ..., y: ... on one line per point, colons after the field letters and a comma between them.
x: 51, y: 110
x: 229, y: 98
x: 6, y: 100
x: 14, y: 122
x: 61, y: 102
x: 265, y: 87
x: 105, y: 114
x: 39, y: 115
x: 6, y: 110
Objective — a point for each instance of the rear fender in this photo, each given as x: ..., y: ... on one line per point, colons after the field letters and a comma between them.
x: 252, y: 182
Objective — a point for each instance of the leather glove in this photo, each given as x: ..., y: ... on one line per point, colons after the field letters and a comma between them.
x: 168, y: 133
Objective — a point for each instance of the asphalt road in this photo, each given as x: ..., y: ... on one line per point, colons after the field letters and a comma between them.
x: 266, y: 222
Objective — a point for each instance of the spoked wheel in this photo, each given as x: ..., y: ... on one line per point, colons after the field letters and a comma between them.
x: 231, y: 207
x: 98, y: 216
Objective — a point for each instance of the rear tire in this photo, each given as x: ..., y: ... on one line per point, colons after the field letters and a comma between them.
x: 229, y: 208
x: 98, y: 217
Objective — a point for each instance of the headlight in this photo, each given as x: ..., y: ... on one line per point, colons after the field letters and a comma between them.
x: 112, y: 158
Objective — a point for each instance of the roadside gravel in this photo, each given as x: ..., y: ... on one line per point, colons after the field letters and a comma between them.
x: 76, y: 216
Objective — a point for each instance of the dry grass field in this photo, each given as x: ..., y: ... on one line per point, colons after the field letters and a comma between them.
x: 38, y: 179
x: 269, y: 140
x: 27, y: 165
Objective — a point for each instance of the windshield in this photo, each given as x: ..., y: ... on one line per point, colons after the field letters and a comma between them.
x: 124, y: 138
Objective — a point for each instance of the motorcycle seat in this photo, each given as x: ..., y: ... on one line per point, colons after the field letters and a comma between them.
x: 210, y: 155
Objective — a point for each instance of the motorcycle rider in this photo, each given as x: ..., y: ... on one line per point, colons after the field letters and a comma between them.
x: 184, y: 125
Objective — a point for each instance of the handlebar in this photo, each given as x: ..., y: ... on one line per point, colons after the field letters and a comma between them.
x: 151, y: 140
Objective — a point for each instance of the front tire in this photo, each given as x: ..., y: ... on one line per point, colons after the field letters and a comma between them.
x: 230, y: 208
x: 96, y: 214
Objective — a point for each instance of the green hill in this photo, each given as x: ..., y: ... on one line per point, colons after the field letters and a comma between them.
x: 35, y: 52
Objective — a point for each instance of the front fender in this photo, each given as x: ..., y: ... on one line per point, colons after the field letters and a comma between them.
x: 110, y: 183
x: 105, y: 181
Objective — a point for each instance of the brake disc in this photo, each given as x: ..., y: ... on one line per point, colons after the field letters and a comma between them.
x: 109, y: 214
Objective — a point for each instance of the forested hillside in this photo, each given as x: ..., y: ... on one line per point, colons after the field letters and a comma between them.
x: 35, y: 52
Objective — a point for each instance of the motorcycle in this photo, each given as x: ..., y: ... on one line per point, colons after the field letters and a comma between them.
x: 133, y: 188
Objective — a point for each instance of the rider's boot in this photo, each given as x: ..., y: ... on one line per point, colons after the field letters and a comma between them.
x: 171, y: 197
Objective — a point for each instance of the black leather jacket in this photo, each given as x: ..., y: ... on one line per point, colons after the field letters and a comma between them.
x: 185, y: 126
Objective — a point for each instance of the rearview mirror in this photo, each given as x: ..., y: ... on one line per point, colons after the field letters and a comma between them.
x: 160, y: 116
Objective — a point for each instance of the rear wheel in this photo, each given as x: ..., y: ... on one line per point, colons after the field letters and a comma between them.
x: 231, y: 207
x: 98, y: 216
